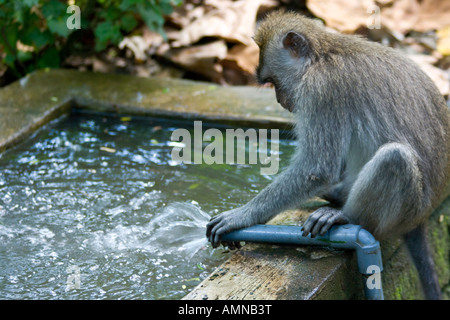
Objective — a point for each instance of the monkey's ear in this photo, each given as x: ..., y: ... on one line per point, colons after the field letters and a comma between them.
x: 296, y: 44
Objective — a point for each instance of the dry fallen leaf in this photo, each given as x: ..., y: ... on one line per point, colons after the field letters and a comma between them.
x: 202, y: 59
x: 245, y: 56
x: 240, y: 64
x: 185, y: 14
x: 424, y: 15
x: 137, y: 45
x: 232, y: 21
x: 224, y: 24
x: 433, y: 15
x: 443, y: 43
x: 343, y: 15
x: 142, y: 45
x: 402, y: 16
x: 399, y: 16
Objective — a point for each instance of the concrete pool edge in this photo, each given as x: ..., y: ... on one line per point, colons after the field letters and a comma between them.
x: 41, y: 96
x: 284, y: 273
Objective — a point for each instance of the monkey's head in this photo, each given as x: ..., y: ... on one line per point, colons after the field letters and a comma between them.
x: 286, y: 52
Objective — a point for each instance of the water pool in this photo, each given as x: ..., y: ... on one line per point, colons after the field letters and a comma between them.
x: 93, y: 207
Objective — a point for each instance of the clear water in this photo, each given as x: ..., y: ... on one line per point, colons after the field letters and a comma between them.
x: 92, y: 207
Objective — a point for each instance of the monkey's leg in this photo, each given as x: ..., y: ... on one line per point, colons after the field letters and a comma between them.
x: 385, y: 197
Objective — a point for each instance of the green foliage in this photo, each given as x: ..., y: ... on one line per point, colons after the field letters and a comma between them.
x: 33, y: 33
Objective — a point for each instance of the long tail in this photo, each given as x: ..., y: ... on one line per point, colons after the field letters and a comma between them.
x: 418, y: 247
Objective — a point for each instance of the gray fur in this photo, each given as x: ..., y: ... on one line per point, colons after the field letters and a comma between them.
x: 372, y: 133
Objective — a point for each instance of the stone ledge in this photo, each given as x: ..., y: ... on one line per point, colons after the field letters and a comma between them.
x: 34, y: 100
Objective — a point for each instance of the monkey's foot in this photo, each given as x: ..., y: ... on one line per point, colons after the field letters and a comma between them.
x: 321, y: 220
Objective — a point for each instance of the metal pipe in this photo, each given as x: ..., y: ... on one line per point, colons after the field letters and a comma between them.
x: 349, y: 236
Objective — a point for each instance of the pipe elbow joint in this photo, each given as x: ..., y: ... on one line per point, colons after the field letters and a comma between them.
x: 366, y: 239
x: 369, y: 251
x: 367, y: 248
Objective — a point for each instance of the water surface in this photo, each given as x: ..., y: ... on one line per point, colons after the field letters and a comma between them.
x: 97, y: 199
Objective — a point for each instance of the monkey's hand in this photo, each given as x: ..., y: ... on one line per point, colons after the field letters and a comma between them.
x: 321, y: 220
x: 226, y: 222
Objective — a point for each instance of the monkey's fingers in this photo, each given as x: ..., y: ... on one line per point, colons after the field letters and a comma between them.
x: 217, y: 234
x: 216, y: 230
x: 218, y: 226
x: 312, y: 221
x: 212, y: 222
x: 320, y: 223
x: 338, y: 218
x: 208, y: 228
x: 321, y: 220
x: 232, y: 245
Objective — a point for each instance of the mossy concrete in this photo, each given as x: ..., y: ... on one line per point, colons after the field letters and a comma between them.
x: 34, y: 100
x: 257, y: 271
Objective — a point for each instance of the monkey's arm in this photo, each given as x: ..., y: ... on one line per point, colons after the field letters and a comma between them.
x: 313, y: 169
x: 323, y: 129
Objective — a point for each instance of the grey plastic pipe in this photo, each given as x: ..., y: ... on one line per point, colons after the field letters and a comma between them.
x: 349, y: 236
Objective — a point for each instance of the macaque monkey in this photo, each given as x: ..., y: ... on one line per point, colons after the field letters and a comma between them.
x: 373, y: 138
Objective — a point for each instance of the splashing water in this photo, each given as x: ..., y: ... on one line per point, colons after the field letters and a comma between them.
x: 179, y: 228
x: 126, y: 219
